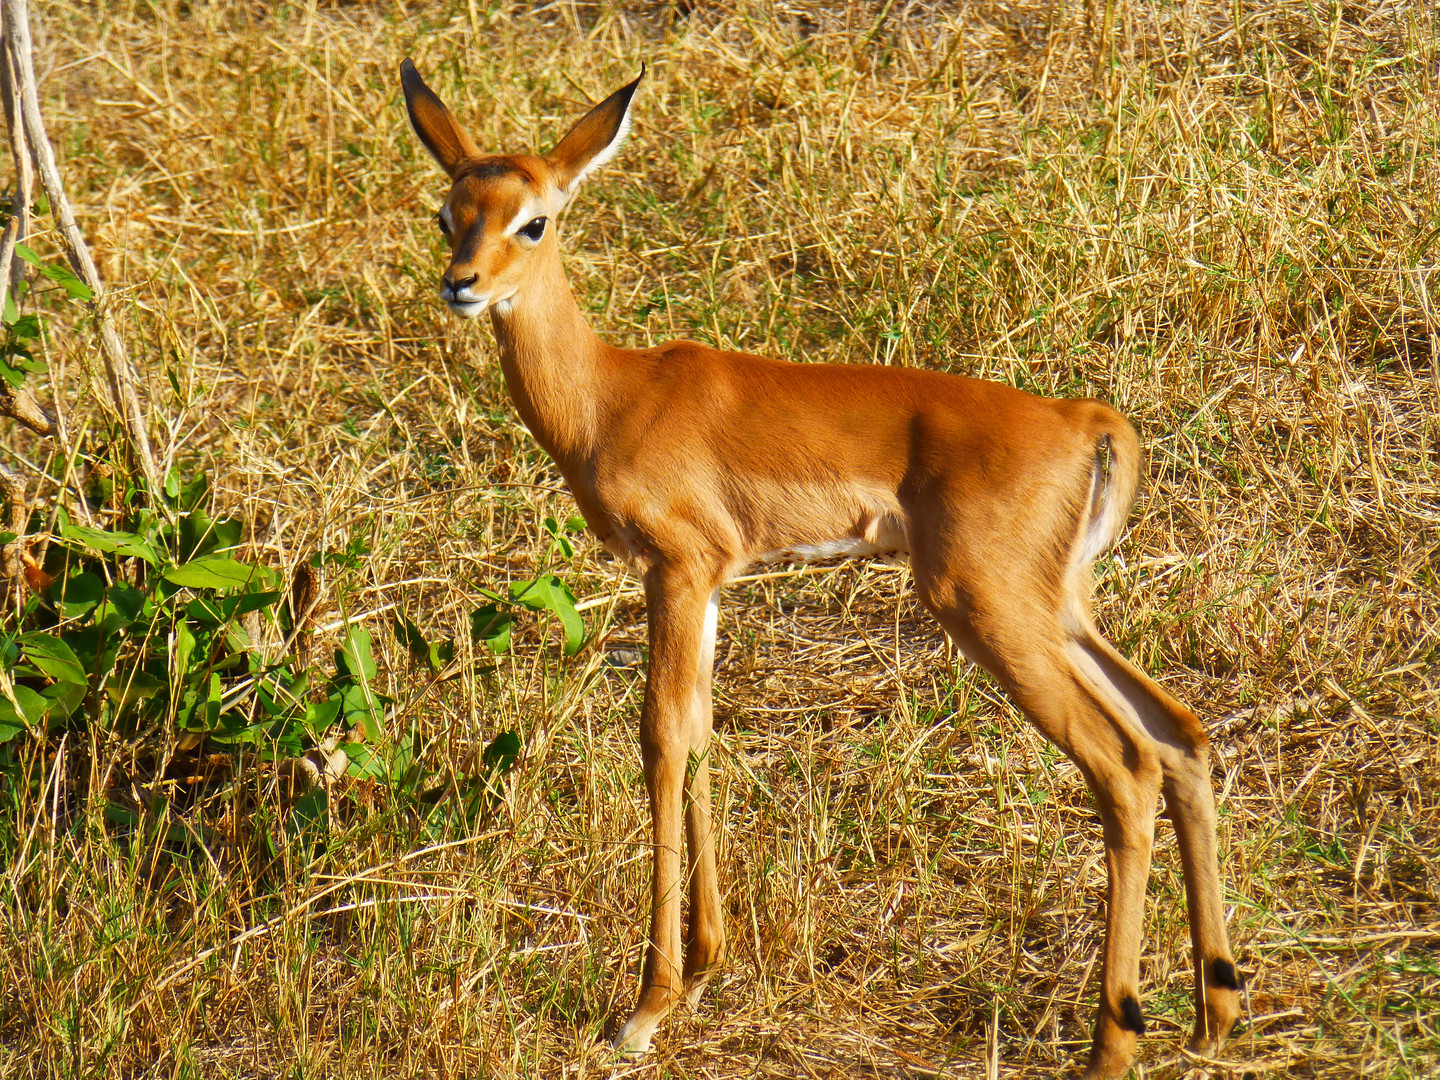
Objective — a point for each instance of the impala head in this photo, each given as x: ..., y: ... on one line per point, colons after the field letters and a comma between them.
x: 499, y: 218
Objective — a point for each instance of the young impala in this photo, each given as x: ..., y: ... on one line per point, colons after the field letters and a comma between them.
x: 695, y: 463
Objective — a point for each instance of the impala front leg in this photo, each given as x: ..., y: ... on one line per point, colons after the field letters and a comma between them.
x: 675, y: 601
x: 705, y: 942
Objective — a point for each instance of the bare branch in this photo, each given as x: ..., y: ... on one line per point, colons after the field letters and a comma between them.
x: 117, y: 364
x: 18, y: 404
x: 18, y: 228
x: 16, y: 515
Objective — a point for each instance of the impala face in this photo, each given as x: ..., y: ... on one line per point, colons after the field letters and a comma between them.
x: 501, y: 208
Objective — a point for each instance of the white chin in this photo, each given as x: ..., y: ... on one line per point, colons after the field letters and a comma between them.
x: 466, y: 311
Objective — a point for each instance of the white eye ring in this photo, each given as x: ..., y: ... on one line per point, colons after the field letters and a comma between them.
x: 533, y: 230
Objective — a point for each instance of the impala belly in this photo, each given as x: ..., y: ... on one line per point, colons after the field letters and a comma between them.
x: 882, y: 535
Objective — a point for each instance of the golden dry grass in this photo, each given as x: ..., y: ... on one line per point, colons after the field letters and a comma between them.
x: 1220, y: 216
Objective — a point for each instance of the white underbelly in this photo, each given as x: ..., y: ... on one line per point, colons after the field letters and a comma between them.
x: 848, y: 548
x: 884, y: 538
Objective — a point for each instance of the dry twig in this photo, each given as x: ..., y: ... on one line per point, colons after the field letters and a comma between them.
x: 117, y: 365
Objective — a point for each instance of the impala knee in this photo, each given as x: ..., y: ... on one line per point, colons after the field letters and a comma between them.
x: 1187, y: 778
x: 663, y: 743
x: 1127, y: 795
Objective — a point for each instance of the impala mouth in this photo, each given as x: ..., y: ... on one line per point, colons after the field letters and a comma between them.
x: 468, y: 309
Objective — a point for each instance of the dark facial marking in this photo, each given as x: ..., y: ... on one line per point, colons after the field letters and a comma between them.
x: 1222, y: 973
x: 1130, y: 1016
x: 489, y: 169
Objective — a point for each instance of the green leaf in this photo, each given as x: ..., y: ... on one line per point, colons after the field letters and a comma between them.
x: 275, y: 699
x: 25, y: 327
x: 235, y: 607
x: 122, y: 606
x: 491, y: 626
x: 132, y: 686
x: 63, y: 698
x: 435, y: 655
x: 576, y: 523
x: 205, y: 610
x: 227, y: 533
x: 319, y: 715
x: 56, y: 272
x: 440, y: 655
x: 210, y: 611
x: 354, y: 658
x: 100, y: 488
x: 361, y: 707
x: 197, y: 533
x: 192, y: 493
x: 77, y: 594
x: 15, y: 721
x: 212, y: 702
x: 500, y: 755
x: 257, y: 601
x: 549, y: 593
x: 231, y: 728
x: 365, y: 762
x: 409, y: 635
x: 403, y: 758
x: 355, y: 551
x: 93, y: 647
x: 76, y: 288
x: 359, y: 702
x: 53, y: 657
x: 211, y: 572
x: 307, y: 816
x: 66, y: 279
x: 121, y: 815
x: 109, y: 541
x: 183, y: 649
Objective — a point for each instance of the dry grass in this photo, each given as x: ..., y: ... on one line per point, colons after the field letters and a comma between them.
x: 1220, y: 216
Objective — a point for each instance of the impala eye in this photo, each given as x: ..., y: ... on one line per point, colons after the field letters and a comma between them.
x: 533, y: 231
x: 440, y: 220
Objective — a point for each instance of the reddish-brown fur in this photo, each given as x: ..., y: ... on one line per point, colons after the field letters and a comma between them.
x: 694, y: 463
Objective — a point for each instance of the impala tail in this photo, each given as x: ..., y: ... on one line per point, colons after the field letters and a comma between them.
x: 1115, y: 476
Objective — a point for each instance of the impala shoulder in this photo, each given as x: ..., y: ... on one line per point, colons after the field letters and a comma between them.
x: 684, y: 352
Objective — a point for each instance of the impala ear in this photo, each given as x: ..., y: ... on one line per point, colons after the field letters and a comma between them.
x: 433, y: 122
x: 595, y: 139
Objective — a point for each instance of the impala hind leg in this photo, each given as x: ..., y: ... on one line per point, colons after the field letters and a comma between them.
x: 1190, y: 803
x: 1023, y: 646
x: 675, y: 606
x: 705, y: 935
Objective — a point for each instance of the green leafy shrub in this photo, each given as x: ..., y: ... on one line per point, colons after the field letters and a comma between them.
x: 143, y: 629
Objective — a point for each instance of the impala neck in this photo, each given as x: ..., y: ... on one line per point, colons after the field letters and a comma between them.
x: 551, y: 360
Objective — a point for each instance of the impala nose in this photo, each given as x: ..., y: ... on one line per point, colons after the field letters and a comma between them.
x: 451, y: 289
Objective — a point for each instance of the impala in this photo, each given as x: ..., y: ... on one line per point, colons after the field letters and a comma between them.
x: 694, y: 464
